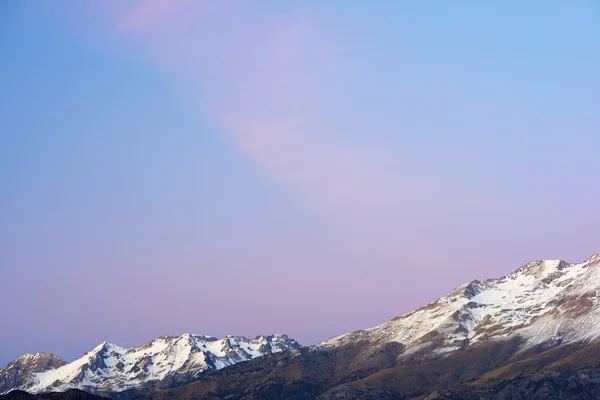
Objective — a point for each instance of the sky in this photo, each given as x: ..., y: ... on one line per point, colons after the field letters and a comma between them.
x: 252, y: 167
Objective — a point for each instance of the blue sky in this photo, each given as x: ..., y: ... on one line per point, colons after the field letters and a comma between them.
x: 253, y: 167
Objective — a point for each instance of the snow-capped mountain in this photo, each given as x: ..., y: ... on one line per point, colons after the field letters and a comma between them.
x: 514, y: 326
x: 544, y: 302
x: 163, y: 362
x: 25, y: 366
x: 540, y: 323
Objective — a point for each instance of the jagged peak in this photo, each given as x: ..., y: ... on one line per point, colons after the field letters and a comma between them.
x: 188, y: 337
x: 276, y: 339
x: 593, y: 259
x: 468, y: 290
x: 277, y: 336
x: 538, y: 266
x: 32, y: 357
x: 502, y: 306
x: 185, y: 336
x: 208, y: 338
x: 109, y: 367
x: 104, y: 347
x: 472, y: 289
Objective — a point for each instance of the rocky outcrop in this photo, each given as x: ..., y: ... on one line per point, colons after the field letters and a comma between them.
x: 20, y: 370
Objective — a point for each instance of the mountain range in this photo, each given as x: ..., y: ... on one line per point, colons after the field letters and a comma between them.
x: 164, y: 362
x: 533, y: 334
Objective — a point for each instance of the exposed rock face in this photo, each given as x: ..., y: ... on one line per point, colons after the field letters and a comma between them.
x: 18, y: 371
x: 574, y: 375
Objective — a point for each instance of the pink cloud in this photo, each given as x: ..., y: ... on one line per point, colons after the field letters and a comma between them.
x: 270, y: 86
x: 148, y: 13
x: 262, y: 84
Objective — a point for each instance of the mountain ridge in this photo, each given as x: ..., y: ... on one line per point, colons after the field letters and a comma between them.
x: 25, y: 365
x: 480, y: 326
x: 544, y: 310
x: 164, y: 361
x: 510, y: 303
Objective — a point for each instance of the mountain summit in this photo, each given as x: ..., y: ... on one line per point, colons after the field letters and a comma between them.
x: 543, y: 302
x: 534, y: 333
x: 26, y: 366
x: 163, y: 362
x: 522, y: 335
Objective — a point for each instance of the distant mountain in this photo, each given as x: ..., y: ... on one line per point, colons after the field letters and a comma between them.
x: 162, y: 363
x: 531, y: 334
x: 544, y: 302
x: 19, y: 370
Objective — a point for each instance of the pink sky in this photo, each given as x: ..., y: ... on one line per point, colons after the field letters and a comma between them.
x: 307, y: 168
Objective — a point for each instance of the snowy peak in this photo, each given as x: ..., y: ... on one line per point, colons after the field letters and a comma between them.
x: 17, y: 371
x: 550, y: 301
x: 541, y: 268
x: 35, y: 362
x: 163, y: 362
x: 593, y: 260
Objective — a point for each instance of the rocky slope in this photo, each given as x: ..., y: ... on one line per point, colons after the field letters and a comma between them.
x: 18, y: 371
x: 543, y: 302
x: 163, y: 362
x: 563, y: 372
x: 531, y: 334
x: 478, y: 328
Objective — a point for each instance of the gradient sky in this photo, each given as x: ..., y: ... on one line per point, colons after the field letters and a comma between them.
x: 250, y: 167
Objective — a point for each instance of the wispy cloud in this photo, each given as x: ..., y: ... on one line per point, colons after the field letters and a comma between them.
x: 149, y: 13
x: 271, y: 84
x: 264, y: 84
